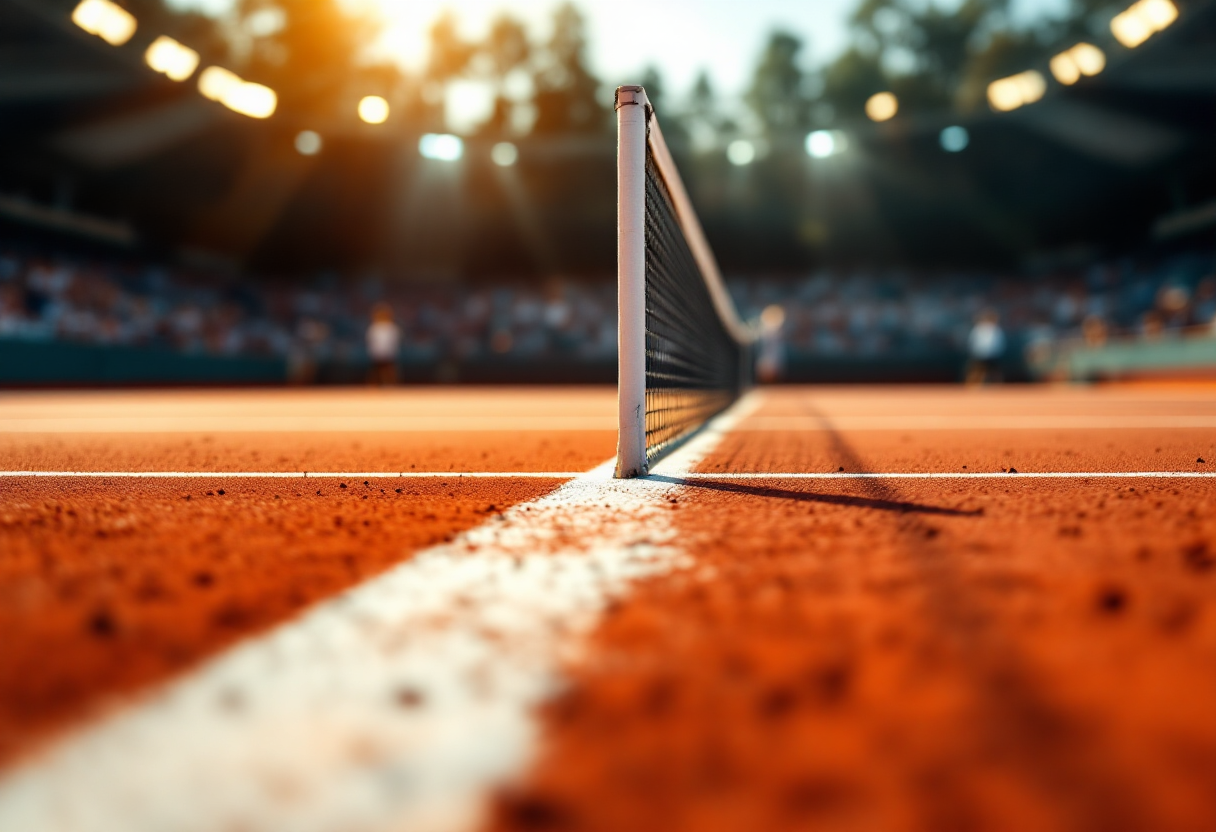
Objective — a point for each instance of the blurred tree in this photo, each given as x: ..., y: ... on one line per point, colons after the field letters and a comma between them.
x: 507, y: 50
x: 198, y: 31
x: 507, y: 45
x: 310, y: 51
x: 702, y: 103
x: 931, y: 58
x: 450, y: 54
x: 675, y: 126
x: 565, y: 88
x: 852, y: 78
x: 652, y: 80
x: 778, y: 89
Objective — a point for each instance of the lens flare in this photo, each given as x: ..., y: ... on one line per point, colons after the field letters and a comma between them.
x: 110, y: 22
x: 373, y: 109
x: 882, y: 106
x: 741, y: 152
x: 504, y: 154
x: 171, y: 58
x: 443, y: 147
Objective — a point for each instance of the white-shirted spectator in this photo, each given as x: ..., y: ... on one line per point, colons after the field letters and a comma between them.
x: 986, y: 346
x: 383, y: 343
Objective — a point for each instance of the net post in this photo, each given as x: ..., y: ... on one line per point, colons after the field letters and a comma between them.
x: 632, y: 111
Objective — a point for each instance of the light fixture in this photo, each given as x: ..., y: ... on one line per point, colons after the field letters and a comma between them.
x: 821, y: 144
x: 308, y: 143
x: 954, y: 138
x: 1082, y: 59
x: 373, y: 109
x: 504, y: 154
x: 1007, y: 94
x: 1142, y: 20
x: 253, y: 100
x: 109, y: 21
x: 244, y: 97
x: 215, y: 82
x: 882, y: 106
x: 1090, y: 59
x: 443, y: 147
x: 741, y: 152
x: 171, y: 58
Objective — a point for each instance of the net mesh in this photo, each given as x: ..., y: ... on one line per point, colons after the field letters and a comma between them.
x: 694, y: 366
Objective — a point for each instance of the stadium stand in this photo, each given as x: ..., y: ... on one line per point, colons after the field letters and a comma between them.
x: 855, y: 324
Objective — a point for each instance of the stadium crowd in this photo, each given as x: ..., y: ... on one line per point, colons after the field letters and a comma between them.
x: 829, y: 313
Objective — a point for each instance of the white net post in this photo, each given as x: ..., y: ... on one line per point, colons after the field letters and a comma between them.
x: 631, y: 109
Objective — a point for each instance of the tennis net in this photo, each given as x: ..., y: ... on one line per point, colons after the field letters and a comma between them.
x: 684, y: 354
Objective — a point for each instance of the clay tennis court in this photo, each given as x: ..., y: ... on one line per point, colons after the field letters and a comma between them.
x: 862, y: 608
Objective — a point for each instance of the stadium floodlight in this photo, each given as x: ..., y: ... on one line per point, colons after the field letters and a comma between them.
x: 1065, y: 69
x: 215, y: 82
x: 954, y: 139
x: 443, y: 147
x: 1082, y: 59
x: 253, y: 100
x: 504, y: 154
x: 240, y: 96
x: 308, y: 143
x: 171, y: 58
x: 821, y: 144
x: 882, y: 106
x: 1089, y: 59
x: 373, y: 109
x: 1007, y: 94
x: 109, y: 21
x: 1142, y: 20
x: 741, y: 152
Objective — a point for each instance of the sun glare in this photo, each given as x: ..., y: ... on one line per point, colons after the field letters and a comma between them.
x: 405, y: 24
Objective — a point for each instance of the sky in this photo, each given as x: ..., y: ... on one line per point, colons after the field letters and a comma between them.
x: 679, y: 37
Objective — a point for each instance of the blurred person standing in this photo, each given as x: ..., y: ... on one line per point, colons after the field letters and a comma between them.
x: 770, y: 364
x: 383, y: 343
x: 986, y: 348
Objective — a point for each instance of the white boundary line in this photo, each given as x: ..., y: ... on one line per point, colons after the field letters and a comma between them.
x: 397, y: 705
x: 297, y: 423
x: 810, y: 424
x: 946, y: 475
x: 288, y: 475
x: 569, y: 475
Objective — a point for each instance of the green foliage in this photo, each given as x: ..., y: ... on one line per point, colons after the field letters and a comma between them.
x: 307, y: 50
x: 936, y: 60
x: 778, y: 92
x: 565, y: 88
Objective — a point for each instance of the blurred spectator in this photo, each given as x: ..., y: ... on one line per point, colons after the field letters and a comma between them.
x: 1093, y: 328
x: 1203, y: 309
x: 383, y: 345
x: 986, y: 348
x: 826, y: 314
x: 1151, y: 325
x: 770, y: 363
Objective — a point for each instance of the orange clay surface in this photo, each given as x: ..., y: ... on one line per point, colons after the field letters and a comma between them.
x: 996, y: 654
x: 108, y: 585
x: 1008, y: 654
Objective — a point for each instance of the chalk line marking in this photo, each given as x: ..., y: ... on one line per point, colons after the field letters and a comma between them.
x: 289, y: 475
x: 396, y: 705
x: 569, y: 475
x: 947, y: 475
x: 811, y: 424
x: 284, y: 423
